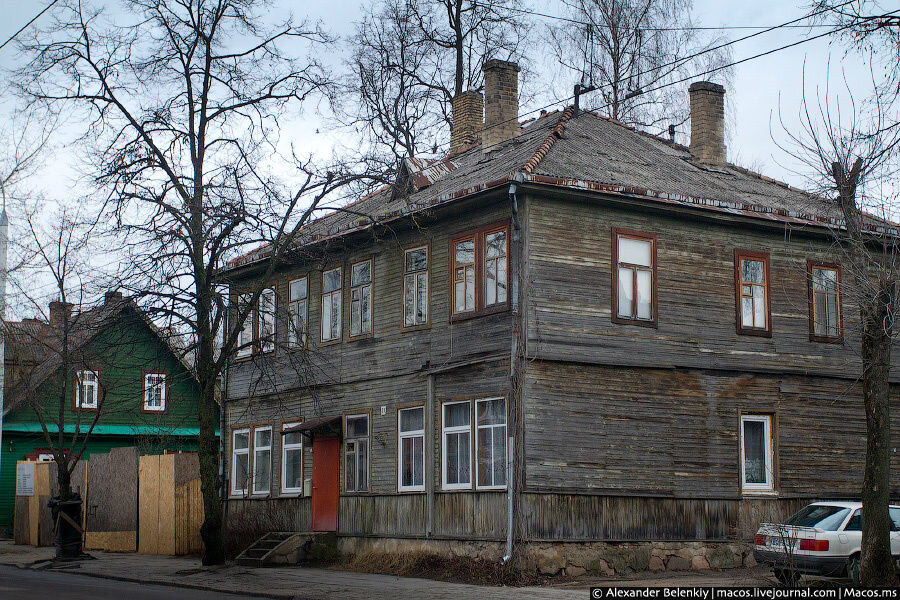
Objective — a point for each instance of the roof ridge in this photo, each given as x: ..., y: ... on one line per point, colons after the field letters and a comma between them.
x: 555, y: 133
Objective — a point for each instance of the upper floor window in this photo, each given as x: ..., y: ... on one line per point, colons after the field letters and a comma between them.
x: 87, y: 390
x: 266, y: 320
x: 634, y: 278
x: 757, y: 464
x: 752, y: 293
x: 415, y: 286
x: 331, y: 304
x: 479, y: 275
x: 155, y: 392
x: 298, y: 290
x: 245, y: 335
x: 361, y: 298
x: 356, y: 467
x: 824, y: 282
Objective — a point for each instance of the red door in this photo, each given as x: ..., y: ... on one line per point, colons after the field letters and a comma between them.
x: 326, y: 453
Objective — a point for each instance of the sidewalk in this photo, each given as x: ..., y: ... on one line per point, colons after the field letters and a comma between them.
x: 302, y: 583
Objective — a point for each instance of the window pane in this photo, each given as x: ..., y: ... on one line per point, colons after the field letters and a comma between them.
x: 422, y: 298
x: 416, y: 260
x: 298, y: 289
x: 263, y: 437
x: 833, y: 320
x: 460, y: 296
x: 262, y: 471
x: 752, y: 271
x: 644, y: 295
x: 355, y: 312
x: 456, y: 415
x: 357, y: 426
x: 292, y: 461
x: 409, y: 300
x: 754, y: 452
x: 747, y: 312
x: 412, y: 419
x: 465, y: 252
x: 335, y: 315
x: 362, y: 273
x: 452, y: 458
x: 490, y: 285
x: 491, y: 412
x: 495, y: 244
x: 499, y: 454
x: 626, y: 289
x: 362, y: 477
x: 759, y: 306
x: 418, y: 460
x: 241, y: 441
x: 326, y: 318
x: 820, y: 313
x: 485, y: 456
x: 636, y: 252
x: 470, y: 288
x: 241, y: 468
x: 501, y: 280
x: 406, y: 461
x: 292, y: 438
x: 331, y: 280
x: 350, y: 467
x: 365, y: 308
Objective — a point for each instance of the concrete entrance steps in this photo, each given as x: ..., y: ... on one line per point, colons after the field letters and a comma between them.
x: 286, y: 548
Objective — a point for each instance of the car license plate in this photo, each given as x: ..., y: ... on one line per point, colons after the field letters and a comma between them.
x: 781, y: 544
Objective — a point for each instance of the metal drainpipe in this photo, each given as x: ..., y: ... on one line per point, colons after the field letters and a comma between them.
x: 514, y: 272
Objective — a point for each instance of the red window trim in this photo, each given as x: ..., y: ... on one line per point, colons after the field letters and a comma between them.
x: 813, y: 336
x: 738, y: 320
x: 614, y: 289
x: 479, y: 236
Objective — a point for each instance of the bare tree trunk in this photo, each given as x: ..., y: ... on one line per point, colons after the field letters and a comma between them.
x: 212, y: 528
x: 876, y: 566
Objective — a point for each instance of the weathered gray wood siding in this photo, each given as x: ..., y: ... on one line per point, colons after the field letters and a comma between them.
x: 569, y: 294
x: 392, y: 350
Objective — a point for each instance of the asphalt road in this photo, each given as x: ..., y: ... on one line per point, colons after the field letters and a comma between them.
x: 23, y: 584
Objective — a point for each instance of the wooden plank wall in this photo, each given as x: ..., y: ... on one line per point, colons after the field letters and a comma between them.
x: 112, y: 502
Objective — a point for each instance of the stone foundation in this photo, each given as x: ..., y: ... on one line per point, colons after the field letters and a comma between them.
x: 574, y: 559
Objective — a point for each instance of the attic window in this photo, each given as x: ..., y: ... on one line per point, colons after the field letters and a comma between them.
x: 155, y: 392
x: 87, y: 384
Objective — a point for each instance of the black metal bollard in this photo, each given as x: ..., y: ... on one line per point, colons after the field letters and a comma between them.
x: 67, y: 524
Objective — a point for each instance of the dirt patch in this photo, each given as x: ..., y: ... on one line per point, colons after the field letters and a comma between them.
x: 457, y: 569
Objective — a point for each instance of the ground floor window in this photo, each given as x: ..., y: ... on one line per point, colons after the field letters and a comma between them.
x: 757, y: 469
x: 456, y: 455
x: 490, y: 418
x: 356, y: 465
x: 411, y: 434
x: 291, y: 461
x: 240, y: 461
x: 262, y: 460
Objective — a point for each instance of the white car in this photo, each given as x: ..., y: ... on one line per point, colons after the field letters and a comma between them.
x: 822, y: 539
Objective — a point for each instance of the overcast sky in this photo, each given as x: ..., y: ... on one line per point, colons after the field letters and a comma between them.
x: 757, y: 89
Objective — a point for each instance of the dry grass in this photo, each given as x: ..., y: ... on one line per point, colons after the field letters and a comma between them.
x: 457, y: 569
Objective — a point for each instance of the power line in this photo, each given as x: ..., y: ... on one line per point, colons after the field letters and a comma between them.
x: 704, y: 73
x: 25, y: 26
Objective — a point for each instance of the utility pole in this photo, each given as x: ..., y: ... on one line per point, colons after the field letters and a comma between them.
x: 4, y: 237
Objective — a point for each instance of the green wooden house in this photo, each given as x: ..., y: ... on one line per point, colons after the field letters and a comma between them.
x: 121, y: 378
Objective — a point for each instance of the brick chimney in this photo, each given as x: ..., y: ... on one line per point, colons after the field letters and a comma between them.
x: 468, y: 114
x: 707, y: 122
x: 59, y: 311
x: 112, y: 296
x: 501, y: 102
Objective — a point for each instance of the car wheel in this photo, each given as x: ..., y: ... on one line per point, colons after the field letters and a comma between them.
x: 787, y: 577
x: 853, y: 570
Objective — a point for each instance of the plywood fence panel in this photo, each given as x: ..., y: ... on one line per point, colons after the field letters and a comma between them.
x: 148, y: 505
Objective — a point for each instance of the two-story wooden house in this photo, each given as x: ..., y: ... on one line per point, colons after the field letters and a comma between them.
x: 594, y: 345
x: 122, y: 378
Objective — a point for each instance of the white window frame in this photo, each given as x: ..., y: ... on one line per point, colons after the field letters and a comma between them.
x: 360, y: 289
x: 327, y: 296
x: 355, y: 441
x: 415, y: 276
x: 769, y: 485
x: 402, y: 435
x: 284, y: 448
x: 240, y: 492
x: 245, y: 335
x: 95, y: 385
x: 162, y: 385
x: 445, y: 431
x: 298, y: 307
x: 256, y: 451
x: 478, y: 429
x: 266, y: 321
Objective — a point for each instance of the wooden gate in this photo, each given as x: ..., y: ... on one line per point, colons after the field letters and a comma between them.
x: 170, y: 509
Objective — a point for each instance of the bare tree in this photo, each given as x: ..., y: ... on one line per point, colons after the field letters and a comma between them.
x: 413, y: 57
x: 628, y: 48
x: 849, y: 153
x: 184, y: 101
